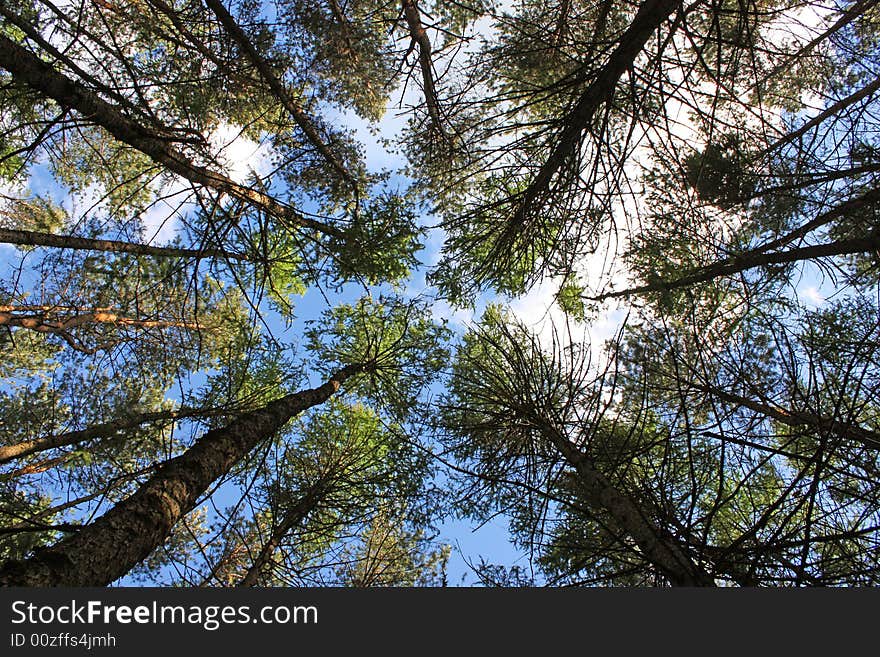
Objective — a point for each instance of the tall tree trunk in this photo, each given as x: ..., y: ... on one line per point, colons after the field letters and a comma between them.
x: 752, y: 260
x: 27, y: 447
x: 56, y: 319
x: 651, y: 14
x: 419, y: 37
x: 107, y: 549
x: 33, y: 238
x: 40, y: 76
x: 278, y: 89
x: 656, y: 545
x: 49, y: 319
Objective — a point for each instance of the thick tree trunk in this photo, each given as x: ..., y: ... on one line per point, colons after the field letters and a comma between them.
x: 40, y: 76
x: 752, y: 260
x: 419, y: 37
x: 656, y: 545
x: 107, y: 549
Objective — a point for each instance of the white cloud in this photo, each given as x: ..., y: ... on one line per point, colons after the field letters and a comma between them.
x: 810, y: 296
x: 234, y: 154
x: 237, y: 155
x: 538, y: 310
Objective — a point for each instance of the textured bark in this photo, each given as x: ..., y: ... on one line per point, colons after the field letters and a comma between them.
x: 299, y: 116
x: 751, y: 260
x: 293, y: 517
x: 656, y: 545
x: 419, y: 37
x: 34, y: 35
x: 30, y: 70
x: 107, y: 549
x: 32, y: 238
x: 104, y: 430
x: 651, y: 14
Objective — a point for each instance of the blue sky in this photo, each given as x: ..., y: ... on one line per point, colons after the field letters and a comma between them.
x: 491, y: 540
x: 470, y: 543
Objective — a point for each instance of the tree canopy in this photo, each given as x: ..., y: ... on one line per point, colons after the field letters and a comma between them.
x: 290, y: 288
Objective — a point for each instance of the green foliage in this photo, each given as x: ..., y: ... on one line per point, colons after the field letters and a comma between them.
x: 95, y: 163
x: 740, y: 425
x: 38, y: 214
x: 544, y: 49
x: 570, y: 298
x: 340, y: 471
x: 388, y: 555
x: 485, y: 249
x: 402, y: 348
x: 381, y: 243
x: 502, y: 382
x: 22, y: 110
x: 346, y: 47
x: 10, y: 162
x: 21, y: 504
x: 360, y: 457
x: 718, y: 173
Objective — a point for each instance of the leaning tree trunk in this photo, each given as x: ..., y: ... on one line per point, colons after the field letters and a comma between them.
x: 649, y: 17
x: 104, y: 430
x: 292, y: 518
x: 278, y: 89
x: 28, y: 69
x: 34, y: 238
x: 107, y: 549
x: 738, y: 264
x: 656, y: 545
